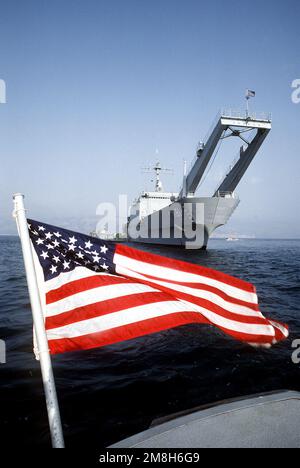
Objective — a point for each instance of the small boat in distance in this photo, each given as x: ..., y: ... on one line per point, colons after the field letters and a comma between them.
x: 232, y: 238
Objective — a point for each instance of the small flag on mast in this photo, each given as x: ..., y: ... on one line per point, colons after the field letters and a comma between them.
x: 250, y: 93
x: 97, y: 292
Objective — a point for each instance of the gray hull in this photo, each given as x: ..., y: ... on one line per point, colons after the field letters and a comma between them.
x: 187, y: 223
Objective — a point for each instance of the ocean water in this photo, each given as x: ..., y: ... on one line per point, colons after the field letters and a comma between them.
x: 110, y: 393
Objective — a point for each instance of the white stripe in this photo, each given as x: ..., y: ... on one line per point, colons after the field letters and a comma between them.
x: 148, y: 311
x: 240, y: 327
x: 73, y: 275
x: 117, y: 319
x: 92, y: 296
x: 261, y: 345
x: 281, y: 328
x: 212, y: 297
x: 182, y: 277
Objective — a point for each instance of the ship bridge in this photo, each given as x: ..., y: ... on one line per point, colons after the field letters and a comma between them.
x: 250, y: 129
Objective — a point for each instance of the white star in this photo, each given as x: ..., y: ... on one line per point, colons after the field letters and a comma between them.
x: 88, y: 245
x: 29, y: 226
x: 73, y: 240
x: 56, y: 259
x: 96, y: 268
x: 96, y: 258
x: 94, y: 253
x: 66, y: 265
x: 40, y: 241
x: 41, y: 228
x: 49, y: 246
x: 72, y: 247
x: 49, y: 235
x: 104, y: 249
x: 104, y: 266
x: 80, y: 255
x: 57, y: 234
x: 53, y: 269
x: 55, y: 243
x: 44, y: 255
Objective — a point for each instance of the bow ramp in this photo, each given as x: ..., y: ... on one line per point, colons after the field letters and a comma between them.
x: 251, y: 130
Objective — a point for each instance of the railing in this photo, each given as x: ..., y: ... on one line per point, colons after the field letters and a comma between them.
x: 242, y: 114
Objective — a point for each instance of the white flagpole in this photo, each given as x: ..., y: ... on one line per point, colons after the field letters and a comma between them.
x: 39, y: 326
x: 247, y: 108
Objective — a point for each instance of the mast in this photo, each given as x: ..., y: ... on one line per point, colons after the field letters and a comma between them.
x: 157, y: 168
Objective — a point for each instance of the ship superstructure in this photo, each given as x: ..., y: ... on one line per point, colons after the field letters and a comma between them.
x: 155, y: 216
x: 150, y: 202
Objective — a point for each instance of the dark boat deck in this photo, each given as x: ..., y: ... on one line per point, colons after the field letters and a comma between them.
x: 267, y: 421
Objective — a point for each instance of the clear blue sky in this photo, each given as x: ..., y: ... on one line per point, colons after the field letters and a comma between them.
x: 94, y: 87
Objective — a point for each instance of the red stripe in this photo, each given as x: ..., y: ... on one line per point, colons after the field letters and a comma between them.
x: 203, y: 287
x: 248, y: 338
x: 126, y: 332
x: 279, y: 336
x: 212, y: 307
x: 105, y: 307
x: 186, y: 267
x: 124, y: 302
x: 83, y: 284
x: 145, y: 327
x: 209, y: 305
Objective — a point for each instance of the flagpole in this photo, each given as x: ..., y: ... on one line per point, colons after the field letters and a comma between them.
x: 247, y: 108
x: 39, y: 326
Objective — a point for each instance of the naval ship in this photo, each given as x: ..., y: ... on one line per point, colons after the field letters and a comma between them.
x: 184, y: 218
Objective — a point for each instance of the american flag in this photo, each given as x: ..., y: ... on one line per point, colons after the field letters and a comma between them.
x: 250, y: 93
x: 96, y: 292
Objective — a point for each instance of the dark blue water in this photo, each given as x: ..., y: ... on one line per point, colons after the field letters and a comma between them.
x: 107, y: 394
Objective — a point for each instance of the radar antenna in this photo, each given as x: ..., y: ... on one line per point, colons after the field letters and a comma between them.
x: 157, y: 169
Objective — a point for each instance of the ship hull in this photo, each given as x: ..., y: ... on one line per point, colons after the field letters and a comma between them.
x: 188, y: 223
